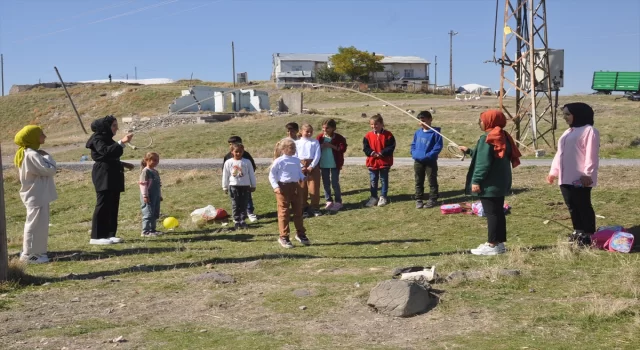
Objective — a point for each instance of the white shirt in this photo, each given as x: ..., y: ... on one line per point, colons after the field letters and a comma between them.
x: 36, y: 179
x: 238, y: 173
x: 308, y: 149
x: 285, y: 169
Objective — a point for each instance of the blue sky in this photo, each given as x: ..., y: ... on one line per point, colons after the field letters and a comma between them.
x: 88, y: 39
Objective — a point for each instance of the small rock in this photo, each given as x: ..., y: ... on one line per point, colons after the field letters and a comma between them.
x: 203, y: 331
x: 46, y: 284
x: 545, y: 222
x: 119, y: 339
x: 357, y: 284
x: 114, y: 281
x: 531, y: 290
x: 300, y: 293
x: 320, y: 271
x: 100, y: 277
x: 209, y: 266
x: 75, y: 300
x: 302, y: 307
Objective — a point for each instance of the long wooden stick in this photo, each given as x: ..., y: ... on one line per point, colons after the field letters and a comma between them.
x: 70, y: 100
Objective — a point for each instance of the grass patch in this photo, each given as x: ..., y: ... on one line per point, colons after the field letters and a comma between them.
x: 144, y: 290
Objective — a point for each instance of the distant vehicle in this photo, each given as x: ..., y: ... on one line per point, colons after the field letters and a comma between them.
x: 608, y: 82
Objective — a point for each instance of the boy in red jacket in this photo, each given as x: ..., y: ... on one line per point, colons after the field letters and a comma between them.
x: 378, y: 146
x: 332, y: 146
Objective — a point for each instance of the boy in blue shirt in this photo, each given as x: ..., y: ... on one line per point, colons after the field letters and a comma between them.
x: 425, y: 148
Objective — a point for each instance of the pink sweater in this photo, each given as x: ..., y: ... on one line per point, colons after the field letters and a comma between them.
x: 577, y: 155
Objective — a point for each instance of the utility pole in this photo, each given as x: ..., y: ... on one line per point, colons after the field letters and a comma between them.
x: 233, y: 62
x: 435, y: 73
x: 135, y: 70
x: 2, y: 72
x: 451, y: 34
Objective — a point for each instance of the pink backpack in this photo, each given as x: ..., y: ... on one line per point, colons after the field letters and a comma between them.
x: 613, y: 239
x: 451, y: 208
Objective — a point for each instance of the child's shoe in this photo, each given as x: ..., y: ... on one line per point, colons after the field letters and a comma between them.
x: 302, y: 238
x: 285, y: 242
x: 237, y: 226
x: 101, y: 241
x: 336, y: 206
x: 34, y: 259
x: 149, y: 234
x: 373, y: 201
x: 317, y: 213
x: 419, y: 204
x: 252, y: 217
x: 383, y: 201
x: 486, y: 249
x: 116, y: 240
x: 431, y: 203
x: 243, y: 225
x: 328, y: 206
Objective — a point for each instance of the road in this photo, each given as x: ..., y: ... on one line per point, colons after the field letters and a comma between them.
x: 186, y: 164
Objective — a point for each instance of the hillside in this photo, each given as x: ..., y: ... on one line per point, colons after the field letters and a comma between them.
x: 51, y: 109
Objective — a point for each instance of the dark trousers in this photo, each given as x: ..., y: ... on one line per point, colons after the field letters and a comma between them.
x: 578, y: 200
x: 428, y: 170
x: 250, y: 207
x: 239, y: 200
x: 105, y: 216
x: 496, y: 221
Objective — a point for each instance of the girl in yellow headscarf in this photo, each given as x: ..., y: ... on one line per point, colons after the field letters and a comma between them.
x: 36, y: 169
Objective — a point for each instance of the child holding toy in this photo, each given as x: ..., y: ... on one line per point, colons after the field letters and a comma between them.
x: 489, y: 177
x: 378, y: 146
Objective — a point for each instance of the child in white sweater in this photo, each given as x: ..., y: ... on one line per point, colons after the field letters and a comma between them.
x: 238, y: 180
x: 36, y: 169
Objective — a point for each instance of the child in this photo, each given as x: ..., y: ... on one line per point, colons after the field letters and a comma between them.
x: 378, y: 146
x: 333, y: 146
x: 489, y: 177
x: 308, y: 151
x: 36, y: 170
x: 238, y: 180
x: 250, y: 207
x: 285, y: 176
x: 425, y: 148
x: 150, y: 194
x: 292, y: 133
x: 575, y: 165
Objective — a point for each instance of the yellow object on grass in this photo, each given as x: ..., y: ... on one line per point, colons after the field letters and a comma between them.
x: 170, y: 223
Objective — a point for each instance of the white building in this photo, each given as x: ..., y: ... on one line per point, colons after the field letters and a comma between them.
x: 290, y: 67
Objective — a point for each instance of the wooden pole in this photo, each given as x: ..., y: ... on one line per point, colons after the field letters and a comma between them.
x: 4, y: 257
x: 233, y: 62
x: 70, y: 100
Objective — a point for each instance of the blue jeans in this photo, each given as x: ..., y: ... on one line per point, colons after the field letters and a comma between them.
x: 383, y: 175
x: 331, y: 178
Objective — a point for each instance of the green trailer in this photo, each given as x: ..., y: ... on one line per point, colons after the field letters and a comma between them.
x: 607, y: 82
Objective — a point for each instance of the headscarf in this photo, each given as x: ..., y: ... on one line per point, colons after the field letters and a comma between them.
x: 494, y: 122
x: 582, y: 114
x: 28, y: 137
x: 101, y: 129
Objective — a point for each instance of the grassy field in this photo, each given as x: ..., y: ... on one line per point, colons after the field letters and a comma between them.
x: 144, y: 290
x: 616, y: 120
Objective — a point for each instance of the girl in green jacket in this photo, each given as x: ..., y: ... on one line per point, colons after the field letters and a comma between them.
x: 489, y: 177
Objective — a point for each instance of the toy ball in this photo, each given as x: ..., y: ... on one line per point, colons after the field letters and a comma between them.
x: 170, y: 223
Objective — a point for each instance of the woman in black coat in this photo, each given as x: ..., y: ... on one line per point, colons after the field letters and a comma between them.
x: 108, y: 178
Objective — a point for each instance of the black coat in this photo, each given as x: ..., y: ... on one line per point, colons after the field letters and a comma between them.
x: 108, y: 172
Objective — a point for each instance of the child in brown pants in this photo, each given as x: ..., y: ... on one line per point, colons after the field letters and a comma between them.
x: 309, y: 152
x: 285, y: 176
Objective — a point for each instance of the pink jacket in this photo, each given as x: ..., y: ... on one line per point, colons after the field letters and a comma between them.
x: 578, y: 150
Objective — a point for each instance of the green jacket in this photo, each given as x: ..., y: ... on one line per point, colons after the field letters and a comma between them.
x: 491, y: 173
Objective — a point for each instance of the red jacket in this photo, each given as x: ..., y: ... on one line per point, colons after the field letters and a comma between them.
x: 338, y: 141
x: 383, y: 143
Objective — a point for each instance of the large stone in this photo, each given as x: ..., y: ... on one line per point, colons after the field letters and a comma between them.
x: 291, y: 103
x: 399, y: 298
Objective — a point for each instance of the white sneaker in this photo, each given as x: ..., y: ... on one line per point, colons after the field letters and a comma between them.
x: 383, y: 201
x: 486, y: 249
x: 373, y: 201
x: 252, y: 217
x: 116, y: 240
x: 101, y: 241
x: 328, y: 206
x: 34, y: 259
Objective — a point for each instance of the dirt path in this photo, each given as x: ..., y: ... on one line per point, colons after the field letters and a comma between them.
x: 431, y: 102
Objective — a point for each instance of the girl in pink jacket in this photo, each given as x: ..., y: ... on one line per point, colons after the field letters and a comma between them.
x: 575, y: 165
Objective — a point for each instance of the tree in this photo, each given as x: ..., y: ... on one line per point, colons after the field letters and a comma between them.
x: 327, y: 75
x: 356, y: 64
